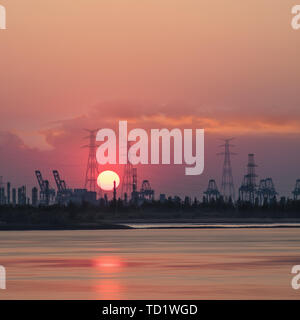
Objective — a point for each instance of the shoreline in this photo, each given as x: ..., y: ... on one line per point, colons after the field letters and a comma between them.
x: 63, y: 228
x: 138, y: 224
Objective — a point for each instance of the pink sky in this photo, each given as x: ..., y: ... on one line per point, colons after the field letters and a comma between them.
x: 230, y: 67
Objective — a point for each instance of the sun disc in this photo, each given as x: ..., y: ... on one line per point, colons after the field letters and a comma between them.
x: 106, y: 180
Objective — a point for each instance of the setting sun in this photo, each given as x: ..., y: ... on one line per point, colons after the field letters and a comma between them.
x: 106, y: 180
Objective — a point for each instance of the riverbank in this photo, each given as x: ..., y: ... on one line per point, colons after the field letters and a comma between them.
x: 203, y: 223
x: 32, y: 227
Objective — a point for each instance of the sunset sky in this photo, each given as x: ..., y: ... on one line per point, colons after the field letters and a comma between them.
x: 231, y: 67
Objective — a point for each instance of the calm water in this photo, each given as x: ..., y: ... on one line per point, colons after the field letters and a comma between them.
x: 150, y: 264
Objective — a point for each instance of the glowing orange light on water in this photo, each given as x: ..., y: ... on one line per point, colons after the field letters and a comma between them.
x: 108, y: 264
x: 108, y: 289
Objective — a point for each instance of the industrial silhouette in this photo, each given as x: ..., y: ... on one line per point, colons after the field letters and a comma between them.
x: 47, y: 194
x: 248, y: 189
x: 146, y: 193
x: 212, y: 192
x: 266, y: 191
x: 250, y: 193
x: 296, y: 191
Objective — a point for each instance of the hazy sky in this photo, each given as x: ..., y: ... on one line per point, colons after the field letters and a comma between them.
x: 228, y: 66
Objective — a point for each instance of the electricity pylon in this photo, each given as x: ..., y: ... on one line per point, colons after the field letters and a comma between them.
x: 227, y: 186
x: 92, y: 169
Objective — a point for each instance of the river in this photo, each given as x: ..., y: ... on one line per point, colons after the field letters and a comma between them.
x: 150, y: 264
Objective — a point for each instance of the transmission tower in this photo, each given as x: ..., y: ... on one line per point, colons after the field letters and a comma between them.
x: 129, y: 175
x: 127, y: 182
x: 92, y: 169
x: 227, y: 187
x: 248, y: 189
